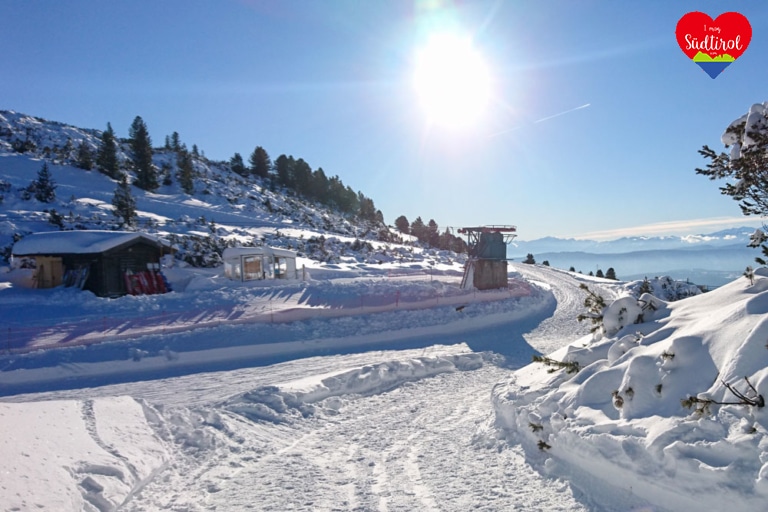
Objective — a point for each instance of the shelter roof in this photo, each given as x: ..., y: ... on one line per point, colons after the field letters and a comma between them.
x: 79, y: 242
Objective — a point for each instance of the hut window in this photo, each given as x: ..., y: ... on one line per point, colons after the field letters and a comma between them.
x: 281, y: 267
x: 252, y: 268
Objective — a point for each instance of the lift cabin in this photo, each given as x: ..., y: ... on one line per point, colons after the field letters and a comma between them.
x: 486, y: 268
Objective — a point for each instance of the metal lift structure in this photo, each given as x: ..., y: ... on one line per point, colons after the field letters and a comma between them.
x: 486, y: 268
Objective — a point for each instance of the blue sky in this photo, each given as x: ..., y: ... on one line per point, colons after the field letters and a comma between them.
x: 331, y: 82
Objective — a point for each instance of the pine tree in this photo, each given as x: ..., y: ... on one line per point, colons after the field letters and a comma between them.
x: 402, y: 224
x: 165, y: 174
x: 545, y: 263
x: 141, y: 146
x: 175, y: 142
x: 84, y: 156
x: 186, y: 172
x: 746, y: 168
x: 123, y: 202
x: 319, y: 186
x: 302, y: 177
x: 260, y: 162
x: 418, y: 229
x: 595, y: 305
x: 611, y: 274
x: 529, y: 259
x: 237, y: 165
x: 44, y: 187
x: 645, y: 287
x: 106, y: 158
x: 433, y: 236
x: 284, y: 168
x: 599, y: 273
x: 195, y: 152
x: 367, y: 208
x: 350, y: 202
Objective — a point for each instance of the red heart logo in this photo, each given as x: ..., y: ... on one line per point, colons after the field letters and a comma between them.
x: 713, y: 44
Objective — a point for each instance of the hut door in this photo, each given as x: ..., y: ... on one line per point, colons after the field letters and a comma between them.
x: 49, y: 271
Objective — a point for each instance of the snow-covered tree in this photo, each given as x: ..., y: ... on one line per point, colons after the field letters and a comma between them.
x: 595, y: 305
x: 745, y: 166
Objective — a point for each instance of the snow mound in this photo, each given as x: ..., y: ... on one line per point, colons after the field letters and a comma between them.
x: 640, y: 412
x: 302, y: 398
x: 664, y: 288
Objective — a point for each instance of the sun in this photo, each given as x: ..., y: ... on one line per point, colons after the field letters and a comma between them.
x: 452, y: 81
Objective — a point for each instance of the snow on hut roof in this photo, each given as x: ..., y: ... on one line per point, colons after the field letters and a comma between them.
x: 77, y: 242
x: 244, y: 251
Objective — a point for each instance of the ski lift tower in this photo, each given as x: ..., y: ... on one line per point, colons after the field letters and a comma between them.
x: 486, y: 268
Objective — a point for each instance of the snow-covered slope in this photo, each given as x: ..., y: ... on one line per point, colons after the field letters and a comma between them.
x: 622, y: 417
x: 225, y: 208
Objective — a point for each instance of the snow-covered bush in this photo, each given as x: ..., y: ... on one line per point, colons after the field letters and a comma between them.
x: 664, y: 288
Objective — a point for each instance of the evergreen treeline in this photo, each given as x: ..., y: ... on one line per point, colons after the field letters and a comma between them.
x: 296, y: 175
x: 430, y: 234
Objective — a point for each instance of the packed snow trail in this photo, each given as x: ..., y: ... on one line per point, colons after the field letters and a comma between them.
x: 414, y: 447
x: 561, y: 327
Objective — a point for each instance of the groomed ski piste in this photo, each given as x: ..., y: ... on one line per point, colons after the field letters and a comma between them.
x: 435, y: 407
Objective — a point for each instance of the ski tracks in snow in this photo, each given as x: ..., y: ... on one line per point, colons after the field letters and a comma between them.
x: 410, y: 448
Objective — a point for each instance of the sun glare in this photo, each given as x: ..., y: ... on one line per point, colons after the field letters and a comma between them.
x: 452, y: 81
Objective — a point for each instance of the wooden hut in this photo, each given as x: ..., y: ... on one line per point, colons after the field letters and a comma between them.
x: 108, y: 263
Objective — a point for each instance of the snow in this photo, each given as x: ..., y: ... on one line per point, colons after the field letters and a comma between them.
x: 434, y: 427
x: 76, y: 455
x: 620, y: 418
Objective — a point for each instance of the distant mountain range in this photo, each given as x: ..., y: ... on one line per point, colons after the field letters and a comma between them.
x: 710, y: 259
x: 728, y: 237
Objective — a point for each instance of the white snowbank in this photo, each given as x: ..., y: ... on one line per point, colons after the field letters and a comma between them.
x: 620, y: 418
x: 284, y: 402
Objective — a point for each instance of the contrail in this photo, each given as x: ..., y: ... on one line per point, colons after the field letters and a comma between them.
x: 561, y: 113
x: 541, y: 120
